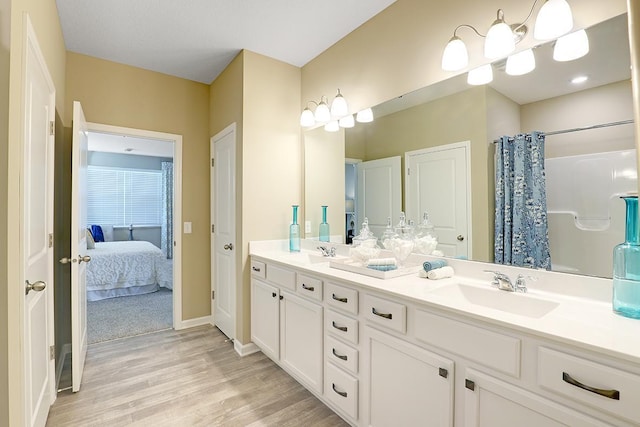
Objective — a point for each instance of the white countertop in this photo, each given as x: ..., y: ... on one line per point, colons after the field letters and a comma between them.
x: 583, y: 316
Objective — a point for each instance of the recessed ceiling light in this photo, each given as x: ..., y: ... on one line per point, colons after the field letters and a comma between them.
x: 579, y: 79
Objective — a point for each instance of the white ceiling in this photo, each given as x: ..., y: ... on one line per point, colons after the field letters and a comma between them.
x: 124, y: 144
x: 196, y: 39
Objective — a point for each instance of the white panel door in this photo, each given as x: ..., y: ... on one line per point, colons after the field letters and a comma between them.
x: 223, y: 238
x: 379, y: 194
x: 78, y: 246
x: 437, y: 182
x: 36, y: 226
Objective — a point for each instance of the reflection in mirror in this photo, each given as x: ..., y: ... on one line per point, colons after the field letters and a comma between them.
x: 586, y: 217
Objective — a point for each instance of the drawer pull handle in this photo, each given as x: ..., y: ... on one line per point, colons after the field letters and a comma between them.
x: 256, y: 269
x: 385, y: 315
x: 341, y: 393
x: 339, y: 356
x: 308, y: 288
x: 345, y: 300
x: 340, y: 328
x: 611, y: 394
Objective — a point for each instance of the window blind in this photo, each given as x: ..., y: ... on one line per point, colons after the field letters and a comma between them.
x: 123, y: 196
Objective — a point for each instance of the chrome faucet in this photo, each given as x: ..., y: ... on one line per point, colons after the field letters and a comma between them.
x: 328, y: 252
x: 504, y: 283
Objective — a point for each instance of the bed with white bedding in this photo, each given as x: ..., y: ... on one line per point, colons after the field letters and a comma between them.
x: 124, y: 268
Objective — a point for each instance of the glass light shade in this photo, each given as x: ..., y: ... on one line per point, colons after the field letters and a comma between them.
x: 347, y: 121
x: 521, y: 63
x: 480, y: 76
x: 554, y: 20
x: 572, y: 46
x: 364, y: 116
x: 455, y: 56
x: 322, y: 113
x: 499, y: 41
x: 339, y: 106
x: 332, y: 126
x: 306, y: 118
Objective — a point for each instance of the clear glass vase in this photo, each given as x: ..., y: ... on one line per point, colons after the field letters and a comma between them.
x: 294, y: 232
x: 626, y: 265
x: 323, y: 235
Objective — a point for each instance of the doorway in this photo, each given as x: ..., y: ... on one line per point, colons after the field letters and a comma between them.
x: 120, y: 157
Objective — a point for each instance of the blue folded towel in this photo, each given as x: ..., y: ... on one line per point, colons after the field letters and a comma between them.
x: 432, y: 265
x: 96, y: 231
x: 382, y: 267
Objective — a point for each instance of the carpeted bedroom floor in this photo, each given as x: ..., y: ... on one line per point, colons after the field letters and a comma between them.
x: 114, y: 318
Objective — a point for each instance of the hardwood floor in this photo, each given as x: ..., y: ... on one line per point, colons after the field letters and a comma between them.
x: 185, y: 378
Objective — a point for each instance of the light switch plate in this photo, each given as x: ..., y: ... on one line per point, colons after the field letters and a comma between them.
x: 307, y: 226
x: 187, y: 228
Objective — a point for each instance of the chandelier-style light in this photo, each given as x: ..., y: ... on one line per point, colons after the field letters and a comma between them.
x: 334, y: 116
x: 554, y: 19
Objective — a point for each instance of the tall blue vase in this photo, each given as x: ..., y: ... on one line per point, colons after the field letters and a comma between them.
x: 626, y: 265
x: 323, y: 235
x: 294, y: 232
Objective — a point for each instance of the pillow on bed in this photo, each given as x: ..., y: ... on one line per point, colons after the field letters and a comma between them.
x: 107, y: 232
x: 91, y: 244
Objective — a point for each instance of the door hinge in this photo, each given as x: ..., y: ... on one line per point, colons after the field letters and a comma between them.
x: 213, y: 228
x: 52, y: 128
x: 212, y: 162
x: 50, y: 240
x: 408, y: 171
x: 52, y: 352
x: 213, y: 294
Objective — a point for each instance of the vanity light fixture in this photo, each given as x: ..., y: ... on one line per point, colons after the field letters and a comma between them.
x: 347, y: 121
x: 554, y: 19
x: 323, y: 113
x: 572, y: 46
x: 364, y: 116
x: 521, y: 63
x: 481, y: 75
x: 332, y: 126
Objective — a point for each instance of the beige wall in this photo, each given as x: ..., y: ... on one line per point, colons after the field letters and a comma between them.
x: 44, y: 18
x: 400, y: 49
x: 120, y: 95
x: 603, y: 104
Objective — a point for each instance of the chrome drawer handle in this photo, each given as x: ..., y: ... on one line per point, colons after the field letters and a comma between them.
x: 340, y: 328
x: 385, y: 315
x: 339, y: 299
x: 256, y: 269
x: 341, y: 393
x: 307, y: 288
x: 611, y: 394
x: 339, y: 356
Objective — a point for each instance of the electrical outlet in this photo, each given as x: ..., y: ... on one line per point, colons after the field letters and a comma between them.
x: 307, y: 226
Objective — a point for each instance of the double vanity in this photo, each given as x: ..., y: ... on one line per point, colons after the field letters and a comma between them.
x: 409, y: 351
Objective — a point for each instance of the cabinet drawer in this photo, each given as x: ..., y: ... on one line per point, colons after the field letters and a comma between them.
x: 340, y: 297
x: 258, y: 269
x: 281, y: 277
x: 309, y: 287
x: 385, y: 312
x: 341, y: 326
x: 341, y: 354
x: 497, y: 351
x: 608, y: 389
x: 342, y: 390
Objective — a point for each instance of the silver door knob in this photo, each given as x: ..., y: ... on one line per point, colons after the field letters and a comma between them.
x: 37, y: 286
x: 85, y: 258
x: 228, y: 247
x: 460, y: 237
x: 66, y: 260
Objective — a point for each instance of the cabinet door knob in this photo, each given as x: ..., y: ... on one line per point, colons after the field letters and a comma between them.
x: 469, y: 384
x: 273, y: 294
x: 611, y: 394
x: 228, y: 247
x: 460, y: 237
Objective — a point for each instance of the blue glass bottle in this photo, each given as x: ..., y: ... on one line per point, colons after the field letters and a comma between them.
x: 626, y: 265
x: 294, y: 232
x: 323, y: 235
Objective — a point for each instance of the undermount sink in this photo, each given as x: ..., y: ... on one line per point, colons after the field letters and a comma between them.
x: 509, y: 302
x: 310, y: 258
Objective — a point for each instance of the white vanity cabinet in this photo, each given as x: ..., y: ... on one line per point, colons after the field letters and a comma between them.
x: 286, y: 327
x: 406, y: 385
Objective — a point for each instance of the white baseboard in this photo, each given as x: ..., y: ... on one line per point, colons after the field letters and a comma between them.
x: 245, y: 349
x: 190, y: 323
x: 66, y: 349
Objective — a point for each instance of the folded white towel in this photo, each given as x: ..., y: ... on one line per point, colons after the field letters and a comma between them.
x: 440, y: 273
x: 382, y: 261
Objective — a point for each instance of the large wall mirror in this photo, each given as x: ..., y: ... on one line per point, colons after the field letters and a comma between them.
x: 586, y: 170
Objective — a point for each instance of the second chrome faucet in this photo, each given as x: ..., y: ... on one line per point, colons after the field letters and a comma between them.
x: 504, y: 283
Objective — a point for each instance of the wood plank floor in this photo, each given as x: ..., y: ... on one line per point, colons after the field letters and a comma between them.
x: 185, y: 378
